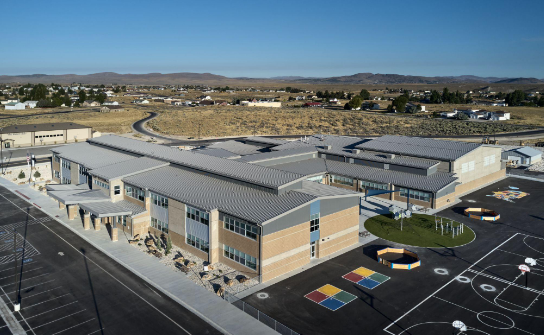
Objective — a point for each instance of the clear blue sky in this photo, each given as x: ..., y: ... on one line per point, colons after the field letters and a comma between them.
x: 274, y: 38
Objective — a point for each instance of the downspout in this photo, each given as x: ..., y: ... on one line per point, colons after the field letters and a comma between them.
x: 260, y: 254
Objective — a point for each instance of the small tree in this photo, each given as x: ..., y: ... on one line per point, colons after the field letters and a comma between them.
x: 168, y: 246
x: 37, y: 174
x: 356, y: 102
x: 461, y: 116
x: 365, y: 94
x: 158, y: 243
x: 21, y: 175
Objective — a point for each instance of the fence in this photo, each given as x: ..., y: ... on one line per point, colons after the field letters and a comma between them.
x: 254, y: 312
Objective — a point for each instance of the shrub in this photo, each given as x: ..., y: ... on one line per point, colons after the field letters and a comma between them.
x: 168, y: 245
x: 21, y: 175
x: 37, y: 174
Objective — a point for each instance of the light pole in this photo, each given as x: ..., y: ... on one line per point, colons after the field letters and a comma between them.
x: 1, y: 150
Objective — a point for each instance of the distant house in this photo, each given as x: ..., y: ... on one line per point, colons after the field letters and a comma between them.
x: 8, y: 100
x: 111, y: 108
x: 110, y: 103
x: 30, y: 103
x: 500, y: 104
x: 140, y: 101
x: 449, y: 115
x: 109, y: 93
x: 499, y: 116
x: 205, y: 97
x: 300, y: 97
x: 260, y: 103
x: 221, y: 102
x: 90, y: 103
x: 312, y: 104
x: 523, y: 155
x: 15, y: 106
x: 479, y: 115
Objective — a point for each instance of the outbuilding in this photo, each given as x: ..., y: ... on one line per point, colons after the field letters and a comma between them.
x: 523, y: 155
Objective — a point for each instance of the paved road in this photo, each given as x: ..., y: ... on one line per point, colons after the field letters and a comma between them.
x: 139, y: 126
x: 66, y: 286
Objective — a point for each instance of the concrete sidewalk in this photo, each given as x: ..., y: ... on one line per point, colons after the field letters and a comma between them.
x: 211, y: 308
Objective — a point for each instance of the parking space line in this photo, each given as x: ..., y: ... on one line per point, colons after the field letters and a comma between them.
x: 32, y: 286
x: 20, y: 281
x: 28, y: 296
x: 33, y: 316
x: 60, y: 296
x: 21, y: 272
x: 64, y: 317
x: 96, y: 331
x: 79, y: 324
x: 11, y: 269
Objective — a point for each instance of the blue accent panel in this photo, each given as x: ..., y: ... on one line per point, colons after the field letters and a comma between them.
x: 314, y: 236
x: 159, y: 213
x: 197, y: 229
x: 315, y: 207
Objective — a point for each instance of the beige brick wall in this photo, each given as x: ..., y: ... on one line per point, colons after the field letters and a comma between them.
x: 343, y: 240
x: 176, y: 217
x: 286, y: 240
x: 286, y: 265
x: 237, y: 241
x: 334, y: 223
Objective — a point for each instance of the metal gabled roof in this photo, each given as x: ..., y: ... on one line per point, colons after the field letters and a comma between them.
x: 91, y: 156
x: 265, y: 140
x: 419, y: 147
x: 237, y: 147
x: 339, y: 142
x: 404, y: 161
x: 322, y: 190
x: 306, y: 167
x: 265, y: 156
x: 222, y: 153
x: 432, y: 183
x: 250, y: 173
x: 208, y: 193
x: 127, y: 168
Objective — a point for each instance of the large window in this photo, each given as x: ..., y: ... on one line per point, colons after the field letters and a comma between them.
x: 159, y: 225
x: 314, y: 222
x: 241, y: 228
x: 417, y: 195
x: 135, y: 192
x: 101, y: 184
x: 57, y: 174
x: 66, y: 180
x: 82, y: 170
x: 66, y: 164
x: 373, y: 186
x: 342, y: 180
x: 121, y: 219
x: 159, y: 200
x: 198, y: 243
x: 197, y: 215
x: 57, y: 159
x: 240, y: 257
x: 116, y: 190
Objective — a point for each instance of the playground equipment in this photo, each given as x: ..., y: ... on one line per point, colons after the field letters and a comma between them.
x: 398, y: 258
x: 482, y: 214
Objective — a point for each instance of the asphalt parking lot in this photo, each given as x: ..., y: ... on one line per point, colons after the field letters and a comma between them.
x: 66, y: 286
x: 410, y: 301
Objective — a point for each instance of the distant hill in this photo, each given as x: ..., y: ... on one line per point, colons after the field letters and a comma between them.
x: 520, y: 81
x: 213, y: 79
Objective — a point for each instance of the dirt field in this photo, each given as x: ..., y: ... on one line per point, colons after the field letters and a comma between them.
x: 236, y: 120
x: 113, y: 122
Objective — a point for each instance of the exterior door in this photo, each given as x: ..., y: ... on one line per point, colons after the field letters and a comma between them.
x: 7, y: 144
x: 312, y: 249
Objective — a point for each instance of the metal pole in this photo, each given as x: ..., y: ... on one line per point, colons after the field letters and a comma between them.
x: 16, y: 305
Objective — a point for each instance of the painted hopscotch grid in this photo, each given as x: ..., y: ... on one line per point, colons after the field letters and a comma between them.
x: 330, y: 297
x: 366, y: 278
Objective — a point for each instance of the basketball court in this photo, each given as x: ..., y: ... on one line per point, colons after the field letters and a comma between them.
x: 490, y: 297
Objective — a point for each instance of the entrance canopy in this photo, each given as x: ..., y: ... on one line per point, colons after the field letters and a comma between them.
x: 371, y: 193
x: 74, y: 197
x: 107, y: 208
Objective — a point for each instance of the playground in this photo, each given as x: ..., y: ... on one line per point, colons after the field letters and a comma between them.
x: 420, y: 230
x: 478, y: 283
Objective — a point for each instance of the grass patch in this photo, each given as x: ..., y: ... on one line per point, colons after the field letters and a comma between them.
x: 417, y: 231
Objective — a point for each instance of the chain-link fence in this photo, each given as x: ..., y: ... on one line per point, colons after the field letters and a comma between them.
x: 254, y: 312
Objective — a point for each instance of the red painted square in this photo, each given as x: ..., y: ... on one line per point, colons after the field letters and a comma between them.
x: 316, y: 296
x: 353, y: 277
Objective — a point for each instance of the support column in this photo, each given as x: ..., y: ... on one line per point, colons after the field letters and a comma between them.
x: 87, y: 221
x: 97, y: 222
x: 61, y: 205
x: 72, y: 210
x: 114, y: 234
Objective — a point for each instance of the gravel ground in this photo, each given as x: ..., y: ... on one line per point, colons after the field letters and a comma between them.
x: 219, y: 276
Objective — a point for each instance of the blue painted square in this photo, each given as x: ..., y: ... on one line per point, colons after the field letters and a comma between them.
x: 368, y: 283
x: 332, y: 303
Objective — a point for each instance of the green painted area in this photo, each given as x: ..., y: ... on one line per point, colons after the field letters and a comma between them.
x: 378, y: 277
x: 344, y: 296
x: 419, y: 231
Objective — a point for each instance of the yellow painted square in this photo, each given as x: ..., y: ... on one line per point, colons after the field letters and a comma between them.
x: 363, y: 272
x: 329, y: 290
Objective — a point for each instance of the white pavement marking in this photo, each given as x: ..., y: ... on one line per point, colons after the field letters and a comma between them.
x: 32, y: 295
x: 11, y: 269
x: 32, y: 286
x: 79, y: 324
x: 64, y: 317
x: 20, y: 281
x: 449, y: 282
x: 43, y: 302
x: 504, y: 281
x: 112, y: 276
x: 21, y: 273
x: 33, y: 316
x: 96, y: 331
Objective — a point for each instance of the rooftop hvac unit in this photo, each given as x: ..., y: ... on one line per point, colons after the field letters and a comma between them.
x: 390, y: 156
x: 356, y: 151
x: 327, y: 147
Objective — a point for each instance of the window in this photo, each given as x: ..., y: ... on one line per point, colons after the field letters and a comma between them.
x: 135, y: 192
x: 101, y: 184
x: 317, y: 179
x: 159, y: 200
x: 82, y: 170
x: 314, y: 222
x: 240, y: 257
x: 66, y: 180
x: 66, y: 164
x: 116, y: 190
x: 471, y: 166
x: 160, y: 225
x: 198, y: 243
x: 122, y: 219
x: 417, y: 195
x: 197, y: 215
x: 57, y: 159
x: 242, y: 228
x: 464, y: 168
x: 57, y: 174
x: 342, y: 180
x: 491, y: 159
x: 373, y: 186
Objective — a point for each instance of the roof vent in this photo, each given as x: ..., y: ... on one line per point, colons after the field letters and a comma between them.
x: 390, y: 156
x: 327, y: 147
x: 355, y: 151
